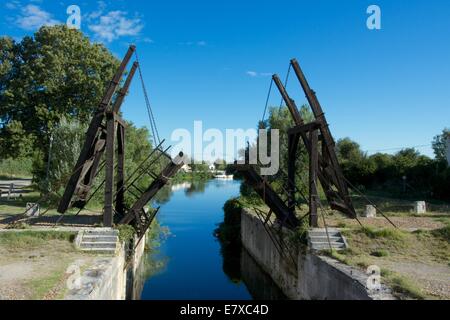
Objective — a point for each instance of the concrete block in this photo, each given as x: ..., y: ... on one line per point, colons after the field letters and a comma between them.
x: 33, y: 210
x: 370, y: 212
x: 420, y: 207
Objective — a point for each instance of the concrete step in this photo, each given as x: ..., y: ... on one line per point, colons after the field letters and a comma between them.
x: 101, y: 240
x: 95, y: 238
x: 100, y: 250
x: 324, y: 234
x: 326, y: 246
x: 101, y: 233
x: 106, y: 245
x: 319, y: 239
x: 324, y: 238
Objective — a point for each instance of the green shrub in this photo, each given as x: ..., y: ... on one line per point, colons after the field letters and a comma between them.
x: 13, y: 168
x: 126, y: 232
x: 443, y: 233
x: 229, y: 232
x: 380, y: 253
x: 232, y: 212
x: 391, y: 234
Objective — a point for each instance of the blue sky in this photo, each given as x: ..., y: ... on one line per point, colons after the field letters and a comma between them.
x: 212, y: 60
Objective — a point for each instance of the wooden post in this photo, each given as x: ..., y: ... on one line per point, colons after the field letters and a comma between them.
x: 293, y: 140
x: 109, y: 177
x: 313, y: 167
x: 120, y: 197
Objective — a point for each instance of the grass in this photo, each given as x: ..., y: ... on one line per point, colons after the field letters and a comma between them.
x: 18, y: 206
x: 389, y: 247
x: 44, y: 255
x: 380, y: 253
x: 443, y: 233
x: 32, y: 239
x: 383, y: 233
x: 404, y: 286
x: 42, y: 286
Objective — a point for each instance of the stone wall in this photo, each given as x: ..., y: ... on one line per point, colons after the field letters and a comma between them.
x: 304, y: 275
x: 108, y: 278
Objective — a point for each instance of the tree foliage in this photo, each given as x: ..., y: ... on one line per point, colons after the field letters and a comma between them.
x: 407, y: 172
x: 58, y: 73
x: 440, y: 145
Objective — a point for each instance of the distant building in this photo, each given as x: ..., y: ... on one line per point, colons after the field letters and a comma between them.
x: 448, y: 150
x: 186, y: 168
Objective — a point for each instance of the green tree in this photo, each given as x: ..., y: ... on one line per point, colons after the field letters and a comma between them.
x: 281, y: 119
x: 56, y: 73
x: 356, y: 166
x: 440, y: 145
x: 68, y: 140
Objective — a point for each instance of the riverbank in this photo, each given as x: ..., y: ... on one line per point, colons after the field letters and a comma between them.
x: 301, y: 274
x: 44, y: 264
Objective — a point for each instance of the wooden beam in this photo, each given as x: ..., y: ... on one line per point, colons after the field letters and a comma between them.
x: 289, y: 102
x: 124, y: 91
x: 270, y: 197
x: 109, y: 176
x: 168, y: 172
x: 120, y: 191
x: 293, y: 141
x: 313, y: 168
x: 314, y: 125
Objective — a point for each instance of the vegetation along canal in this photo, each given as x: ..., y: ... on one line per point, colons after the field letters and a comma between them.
x: 190, y: 262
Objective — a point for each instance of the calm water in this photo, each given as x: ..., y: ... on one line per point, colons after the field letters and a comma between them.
x: 189, y: 263
x: 191, y: 258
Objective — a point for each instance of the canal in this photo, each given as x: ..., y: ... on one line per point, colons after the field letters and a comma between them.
x: 189, y: 263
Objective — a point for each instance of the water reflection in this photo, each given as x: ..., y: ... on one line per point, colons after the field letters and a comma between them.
x: 191, y: 263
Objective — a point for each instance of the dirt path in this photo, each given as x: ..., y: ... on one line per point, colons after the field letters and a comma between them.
x: 406, y: 223
x: 37, y: 273
x: 434, y: 279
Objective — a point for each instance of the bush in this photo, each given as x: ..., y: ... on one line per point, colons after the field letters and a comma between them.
x: 380, y: 253
x: 443, y: 233
x: 229, y: 232
x: 126, y: 233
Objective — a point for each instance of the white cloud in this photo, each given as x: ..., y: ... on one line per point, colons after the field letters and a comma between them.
x: 12, y: 5
x: 114, y: 25
x: 98, y: 12
x: 32, y: 17
x: 254, y: 74
x: 192, y: 43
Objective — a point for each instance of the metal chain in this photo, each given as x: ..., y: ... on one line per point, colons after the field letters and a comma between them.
x: 267, y: 101
x: 151, y: 116
x: 286, y: 82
